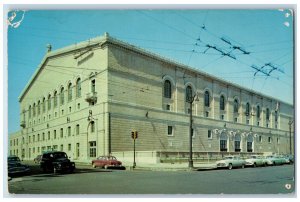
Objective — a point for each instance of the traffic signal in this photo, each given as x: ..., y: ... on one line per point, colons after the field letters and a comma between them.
x: 134, y: 134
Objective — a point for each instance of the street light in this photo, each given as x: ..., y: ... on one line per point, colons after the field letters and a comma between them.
x: 191, y: 100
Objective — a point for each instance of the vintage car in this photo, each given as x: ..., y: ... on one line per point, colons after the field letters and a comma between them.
x: 107, y: 162
x: 231, y: 162
x: 56, y: 161
x: 37, y: 159
x: 15, y: 167
x: 256, y: 160
x: 274, y: 160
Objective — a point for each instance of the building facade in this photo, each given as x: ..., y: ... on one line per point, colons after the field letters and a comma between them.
x: 87, y: 98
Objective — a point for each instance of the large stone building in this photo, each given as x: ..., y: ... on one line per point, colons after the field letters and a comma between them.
x: 87, y: 98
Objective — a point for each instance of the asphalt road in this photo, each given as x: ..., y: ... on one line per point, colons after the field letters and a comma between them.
x: 264, y: 180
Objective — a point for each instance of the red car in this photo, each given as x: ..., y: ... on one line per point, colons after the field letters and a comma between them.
x: 106, y: 162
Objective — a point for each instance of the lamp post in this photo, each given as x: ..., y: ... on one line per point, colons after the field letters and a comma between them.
x: 191, y: 100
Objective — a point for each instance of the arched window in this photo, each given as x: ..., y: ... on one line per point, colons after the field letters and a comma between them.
x: 55, y: 99
x: 78, y: 87
x: 167, y: 89
x: 267, y: 114
x: 70, y: 92
x: 188, y: 94
x: 49, y: 102
x: 258, y: 111
x: 39, y: 107
x: 206, y: 99
x: 62, y: 96
x: 29, y: 111
x: 222, y: 102
x: 236, y: 106
x: 33, y: 110
x: 44, y: 105
x: 247, y: 109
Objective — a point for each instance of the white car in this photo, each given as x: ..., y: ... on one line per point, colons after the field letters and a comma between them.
x: 275, y: 160
x: 231, y: 162
x: 256, y: 160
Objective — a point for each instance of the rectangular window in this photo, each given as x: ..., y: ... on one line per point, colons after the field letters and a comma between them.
x: 193, y: 135
x: 61, y: 147
x: 223, y: 145
x: 61, y: 133
x: 29, y: 140
x: 49, y: 148
x: 48, y: 135
x: 69, y: 131
x: 249, y: 147
x: 237, y: 146
x: 168, y: 107
x: 93, y: 149
x: 54, y: 134
x: 235, y: 120
x: 222, y: 117
x: 170, y: 130
x: 209, y: 134
x: 78, y: 106
x: 92, y: 126
x: 247, y: 122
x: 69, y: 147
x: 33, y: 139
x: 77, y: 129
x: 77, y: 150
x: 55, y: 147
x: 206, y: 114
x: 38, y: 149
x: 260, y: 138
x: 93, y: 86
x: 269, y: 139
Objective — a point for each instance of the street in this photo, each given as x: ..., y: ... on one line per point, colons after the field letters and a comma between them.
x: 260, y: 180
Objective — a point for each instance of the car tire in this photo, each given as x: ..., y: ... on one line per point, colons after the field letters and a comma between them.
x: 105, y: 167
x: 274, y: 164
x: 230, y: 166
x: 93, y: 165
x: 254, y: 165
x: 243, y: 166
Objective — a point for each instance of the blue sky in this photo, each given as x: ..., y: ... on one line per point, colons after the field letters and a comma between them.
x: 228, y: 44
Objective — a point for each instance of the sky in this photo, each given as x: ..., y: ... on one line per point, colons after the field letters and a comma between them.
x: 252, y: 48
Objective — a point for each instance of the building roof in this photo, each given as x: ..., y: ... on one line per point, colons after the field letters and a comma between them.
x: 101, y: 40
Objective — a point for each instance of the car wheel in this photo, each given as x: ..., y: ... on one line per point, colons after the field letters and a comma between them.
x: 94, y: 166
x: 243, y: 166
x: 254, y: 165
x: 274, y: 164
x: 105, y: 167
x: 230, y: 166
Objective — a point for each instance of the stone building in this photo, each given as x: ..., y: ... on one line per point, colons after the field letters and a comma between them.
x: 87, y: 98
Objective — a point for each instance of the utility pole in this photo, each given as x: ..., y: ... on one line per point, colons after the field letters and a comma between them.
x: 191, y: 100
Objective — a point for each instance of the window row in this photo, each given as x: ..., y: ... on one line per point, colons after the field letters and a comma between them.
x: 189, y: 97
x: 58, y: 96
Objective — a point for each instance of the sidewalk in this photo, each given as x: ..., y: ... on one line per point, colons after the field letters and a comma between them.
x: 174, y: 167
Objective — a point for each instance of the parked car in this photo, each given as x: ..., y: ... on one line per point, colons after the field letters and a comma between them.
x: 275, y: 160
x: 255, y: 160
x: 289, y: 158
x: 37, y: 159
x: 15, y: 167
x: 56, y: 161
x: 107, y: 162
x: 231, y: 162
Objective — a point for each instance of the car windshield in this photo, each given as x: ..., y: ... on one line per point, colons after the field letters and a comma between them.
x: 228, y: 157
x: 14, y: 159
x: 58, y: 155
